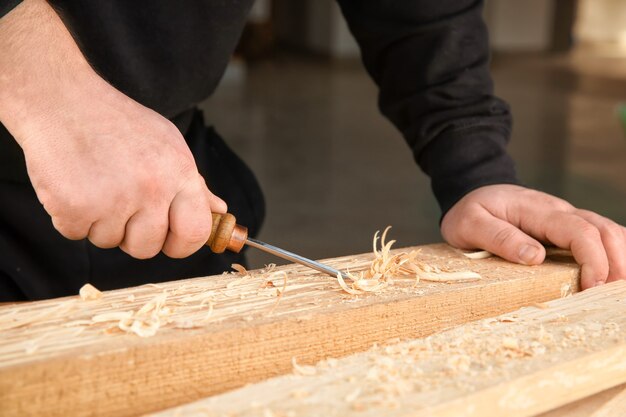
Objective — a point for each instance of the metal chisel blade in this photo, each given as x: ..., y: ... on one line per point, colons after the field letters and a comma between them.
x: 290, y: 256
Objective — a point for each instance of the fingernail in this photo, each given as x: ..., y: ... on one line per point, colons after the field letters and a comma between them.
x: 528, y: 253
x: 598, y: 283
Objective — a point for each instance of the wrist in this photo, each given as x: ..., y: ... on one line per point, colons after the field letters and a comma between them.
x: 41, y: 71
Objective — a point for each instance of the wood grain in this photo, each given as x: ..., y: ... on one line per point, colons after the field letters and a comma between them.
x: 53, y: 360
x: 615, y: 407
x: 608, y: 403
x: 514, y: 365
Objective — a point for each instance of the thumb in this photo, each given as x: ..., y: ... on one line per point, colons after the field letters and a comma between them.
x: 505, y: 240
x: 217, y: 204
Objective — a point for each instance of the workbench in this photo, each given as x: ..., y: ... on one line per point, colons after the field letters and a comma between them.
x: 309, y: 348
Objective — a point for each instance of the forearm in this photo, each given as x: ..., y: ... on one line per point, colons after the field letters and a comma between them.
x: 430, y: 61
x: 41, y: 67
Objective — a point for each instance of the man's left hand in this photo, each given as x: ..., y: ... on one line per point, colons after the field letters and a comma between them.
x: 511, y: 221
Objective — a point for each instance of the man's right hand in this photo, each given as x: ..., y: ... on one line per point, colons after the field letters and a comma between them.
x: 104, y: 167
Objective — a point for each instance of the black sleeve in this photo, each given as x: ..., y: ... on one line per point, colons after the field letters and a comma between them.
x: 430, y: 59
x: 7, y: 5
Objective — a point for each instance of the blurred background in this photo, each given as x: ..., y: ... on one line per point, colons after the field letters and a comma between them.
x: 298, y: 107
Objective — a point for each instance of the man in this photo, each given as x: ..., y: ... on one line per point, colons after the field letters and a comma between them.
x: 87, y: 88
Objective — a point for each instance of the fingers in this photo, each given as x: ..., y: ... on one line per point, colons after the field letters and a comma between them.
x: 502, y: 219
x: 503, y: 239
x: 190, y: 220
x: 145, y: 233
x: 571, y: 231
x: 614, y: 240
x: 73, y: 229
x: 107, y: 233
x: 179, y: 228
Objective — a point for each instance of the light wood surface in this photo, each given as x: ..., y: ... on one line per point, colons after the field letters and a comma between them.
x: 615, y: 407
x: 608, y: 403
x: 514, y: 365
x: 226, y: 331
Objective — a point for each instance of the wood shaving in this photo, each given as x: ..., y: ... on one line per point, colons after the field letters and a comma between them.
x: 387, y: 266
x: 300, y: 393
x: 566, y: 290
x: 89, y: 292
x: 482, y: 254
x: 240, y: 268
x: 304, y: 370
x: 279, y: 292
x: 345, y: 287
x: 353, y: 395
x: 145, y: 322
x: 550, y: 251
x: 510, y: 343
x: 507, y: 319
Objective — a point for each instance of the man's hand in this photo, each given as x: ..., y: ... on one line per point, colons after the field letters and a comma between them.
x: 104, y: 167
x: 509, y: 221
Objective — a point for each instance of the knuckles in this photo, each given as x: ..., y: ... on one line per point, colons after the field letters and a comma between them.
x: 140, y: 252
x: 503, y: 237
x: 547, y: 200
x: 199, y: 232
x: 154, y: 234
x: 196, y: 228
x: 468, y: 221
x: 612, y: 231
x: 151, y: 188
x: 460, y: 224
x: 589, y: 232
x: 72, y: 230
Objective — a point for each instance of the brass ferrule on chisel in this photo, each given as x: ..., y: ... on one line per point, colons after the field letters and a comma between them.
x: 226, y: 234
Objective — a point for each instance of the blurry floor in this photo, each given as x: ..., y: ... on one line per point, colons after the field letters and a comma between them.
x: 334, y: 170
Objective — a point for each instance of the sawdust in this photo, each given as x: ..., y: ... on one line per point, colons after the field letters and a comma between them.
x: 489, y: 348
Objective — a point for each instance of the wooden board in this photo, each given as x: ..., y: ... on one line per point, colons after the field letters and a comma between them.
x: 514, y: 365
x: 53, y: 360
x: 608, y: 403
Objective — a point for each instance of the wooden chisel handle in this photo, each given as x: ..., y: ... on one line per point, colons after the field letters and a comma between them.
x: 226, y: 234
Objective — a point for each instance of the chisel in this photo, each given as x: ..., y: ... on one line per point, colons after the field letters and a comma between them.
x: 226, y: 234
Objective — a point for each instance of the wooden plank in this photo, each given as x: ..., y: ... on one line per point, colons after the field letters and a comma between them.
x: 615, y: 407
x: 515, y: 365
x: 608, y: 403
x: 53, y: 362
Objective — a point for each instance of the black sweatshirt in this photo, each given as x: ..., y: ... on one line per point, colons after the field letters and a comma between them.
x: 429, y: 59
